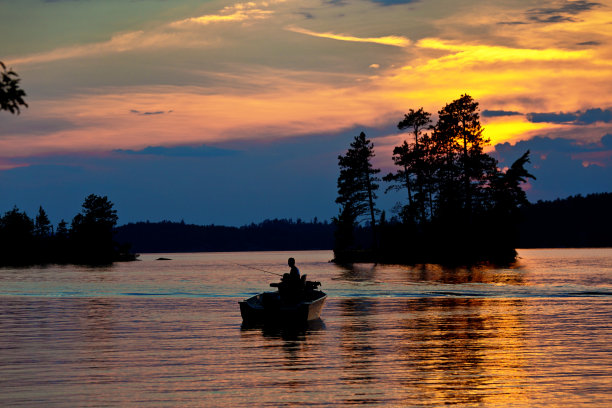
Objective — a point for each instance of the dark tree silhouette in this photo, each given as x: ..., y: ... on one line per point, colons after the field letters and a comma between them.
x: 16, y: 237
x: 62, y: 229
x: 269, y: 235
x: 11, y: 95
x: 572, y: 222
x: 410, y: 157
x: 458, y: 198
x: 460, y: 130
x: 506, y: 187
x: 92, y: 230
x: 98, y: 211
x: 356, y: 188
x: 24, y: 241
x: 42, y: 225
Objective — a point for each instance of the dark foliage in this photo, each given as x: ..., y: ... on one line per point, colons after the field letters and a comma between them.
x: 11, y: 95
x: 16, y: 236
x: 91, y: 231
x: 24, y: 241
x: 356, y: 191
x: 278, y: 235
x: 461, y: 208
x: 571, y: 222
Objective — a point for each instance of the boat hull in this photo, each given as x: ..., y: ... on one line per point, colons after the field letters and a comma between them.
x: 269, y: 307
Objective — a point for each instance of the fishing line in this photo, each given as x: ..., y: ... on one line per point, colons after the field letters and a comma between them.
x: 257, y: 269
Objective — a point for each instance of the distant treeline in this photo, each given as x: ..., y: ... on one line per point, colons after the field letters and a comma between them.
x: 87, y: 240
x: 571, y: 222
x: 276, y: 234
x: 575, y: 221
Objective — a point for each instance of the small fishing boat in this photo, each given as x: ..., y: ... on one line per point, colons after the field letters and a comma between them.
x: 287, y: 305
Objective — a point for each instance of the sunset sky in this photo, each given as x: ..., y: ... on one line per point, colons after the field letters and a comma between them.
x: 228, y: 113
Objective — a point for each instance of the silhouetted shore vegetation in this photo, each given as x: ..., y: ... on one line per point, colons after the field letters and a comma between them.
x: 460, y: 207
x: 576, y: 221
x: 269, y: 235
x: 573, y: 222
x: 87, y: 240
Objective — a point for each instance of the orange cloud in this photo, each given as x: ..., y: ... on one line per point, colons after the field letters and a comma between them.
x: 107, y: 121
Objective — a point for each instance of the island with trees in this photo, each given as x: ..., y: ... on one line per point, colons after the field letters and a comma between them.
x: 88, y: 240
x: 460, y: 207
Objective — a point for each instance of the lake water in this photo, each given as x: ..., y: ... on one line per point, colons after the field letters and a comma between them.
x: 169, y: 334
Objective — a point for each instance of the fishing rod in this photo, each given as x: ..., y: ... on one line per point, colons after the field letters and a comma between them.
x: 257, y: 269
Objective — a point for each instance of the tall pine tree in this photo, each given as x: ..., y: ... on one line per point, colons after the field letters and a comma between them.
x: 357, y: 185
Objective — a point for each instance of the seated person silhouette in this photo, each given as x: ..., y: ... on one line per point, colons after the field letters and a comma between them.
x: 291, y: 284
x: 294, y: 273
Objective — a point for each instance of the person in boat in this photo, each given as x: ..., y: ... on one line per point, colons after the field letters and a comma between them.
x: 294, y: 273
x: 290, y: 287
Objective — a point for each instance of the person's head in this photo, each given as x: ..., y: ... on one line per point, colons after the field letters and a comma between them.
x: 291, y: 262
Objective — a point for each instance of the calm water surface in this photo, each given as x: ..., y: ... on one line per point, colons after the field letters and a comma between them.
x: 169, y: 334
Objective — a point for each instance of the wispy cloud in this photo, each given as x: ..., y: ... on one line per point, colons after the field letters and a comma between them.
x: 499, y: 113
x: 561, y: 12
x: 165, y: 35
x: 179, y: 151
x: 149, y: 113
x: 237, y: 13
x: 589, y: 43
x: 393, y: 40
x: 587, y: 117
x: 394, y: 2
x: 118, y: 43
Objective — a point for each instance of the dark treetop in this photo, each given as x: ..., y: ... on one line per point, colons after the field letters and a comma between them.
x: 11, y: 95
x: 460, y: 208
x: 89, y: 240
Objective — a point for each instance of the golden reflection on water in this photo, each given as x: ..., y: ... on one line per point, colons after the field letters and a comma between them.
x: 431, y: 273
x: 387, y: 352
x: 464, y: 351
x: 403, y: 345
x: 471, y: 345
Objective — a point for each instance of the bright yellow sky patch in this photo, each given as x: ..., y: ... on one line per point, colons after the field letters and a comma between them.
x: 469, y: 53
x: 511, y: 129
